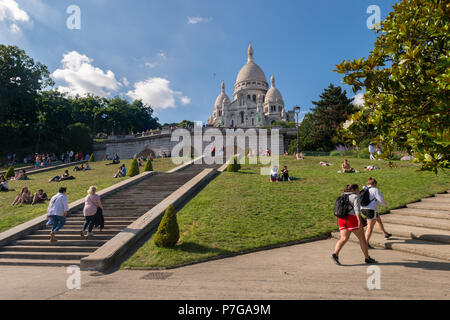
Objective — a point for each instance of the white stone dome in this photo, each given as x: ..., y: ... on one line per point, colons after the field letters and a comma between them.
x: 273, y: 95
x: 222, y: 98
x: 251, y: 71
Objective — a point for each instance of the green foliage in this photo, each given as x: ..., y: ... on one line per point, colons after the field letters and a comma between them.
x: 280, y: 123
x: 148, y: 165
x: 78, y: 137
x: 168, y: 231
x: 234, y: 165
x: 9, y: 173
x: 406, y: 79
x: 319, y: 129
x: 92, y: 158
x: 134, y: 168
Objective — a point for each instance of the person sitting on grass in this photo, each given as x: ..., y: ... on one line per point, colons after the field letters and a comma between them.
x: 347, y: 168
x: 122, y: 172
x: 300, y: 156
x: 21, y: 175
x: 39, y: 197
x: 88, y: 167
x: 23, y: 198
x: 285, y: 174
x: 274, y: 176
x: 3, y: 184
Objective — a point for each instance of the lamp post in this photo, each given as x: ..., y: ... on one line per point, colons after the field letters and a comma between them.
x: 297, y: 112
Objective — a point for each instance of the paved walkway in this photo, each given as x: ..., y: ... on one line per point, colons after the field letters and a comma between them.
x: 298, y: 272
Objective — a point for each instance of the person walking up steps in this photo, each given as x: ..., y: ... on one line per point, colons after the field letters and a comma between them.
x: 57, y: 212
x: 91, y: 204
x: 347, y: 209
x: 371, y: 197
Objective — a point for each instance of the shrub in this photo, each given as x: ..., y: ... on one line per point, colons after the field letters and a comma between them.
x: 92, y: 158
x: 9, y: 173
x: 233, y: 166
x: 168, y: 231
x: 148, y: 165
x: 134, y: 168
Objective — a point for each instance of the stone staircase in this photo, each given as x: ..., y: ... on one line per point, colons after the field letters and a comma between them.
x: 120, y: 210
x: 421, y: 228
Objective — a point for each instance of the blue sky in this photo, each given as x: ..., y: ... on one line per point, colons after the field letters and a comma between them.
x: 167, y: 52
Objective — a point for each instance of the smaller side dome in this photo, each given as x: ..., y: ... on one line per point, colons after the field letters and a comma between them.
x: 222, y: 98
x: 273, y: 95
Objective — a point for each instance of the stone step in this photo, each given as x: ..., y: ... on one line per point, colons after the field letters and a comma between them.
x: 429, y: 206
x: 66, y: 231
x: 441, y: 224
x: 443, y: 195
x: 437, y: 200
x: 410, y: 232
x: 43, y: 255
x: 435, y: 214
x: 64, y: 237
x: 48, y: 248
x: 39, y: 263
x: 61, y: 243
x: 110, y: 225
x: 414, y: 246
x: 120, y: 219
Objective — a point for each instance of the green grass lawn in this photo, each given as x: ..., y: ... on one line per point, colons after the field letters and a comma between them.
x: 100, y: 176
x: 242, y: 211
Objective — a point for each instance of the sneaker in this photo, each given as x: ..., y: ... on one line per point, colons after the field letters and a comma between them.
x: 387, y: 236
x: 371, y: 261
x: 370, y: 247
x: 335, y: 259
x: 82, y: 234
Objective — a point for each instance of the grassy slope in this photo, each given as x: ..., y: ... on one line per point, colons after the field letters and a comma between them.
x: 101, y: 176
x: 242, y: 211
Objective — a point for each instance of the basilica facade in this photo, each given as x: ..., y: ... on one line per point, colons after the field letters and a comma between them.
x: 254, y: 103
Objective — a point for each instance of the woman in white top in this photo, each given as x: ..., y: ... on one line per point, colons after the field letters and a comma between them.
x: 371, y: 210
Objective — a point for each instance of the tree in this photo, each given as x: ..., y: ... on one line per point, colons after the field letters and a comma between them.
x: 134, y: 168
x: 406, y: 79
x: 168, y: 231
x: 148, y: 165
x: 21, y: 80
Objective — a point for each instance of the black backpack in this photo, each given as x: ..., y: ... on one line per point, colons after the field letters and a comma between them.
x: 342, y: 206
x: 364, y: 195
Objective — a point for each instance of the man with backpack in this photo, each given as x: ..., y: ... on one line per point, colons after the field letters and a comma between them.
x: 347, y: 210
x: 371, y: 197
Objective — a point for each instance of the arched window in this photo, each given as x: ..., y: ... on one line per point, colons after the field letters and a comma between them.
x: 253, y: 121
x: 254, y: 97
x: 249, y: 97
x: 242, y: 116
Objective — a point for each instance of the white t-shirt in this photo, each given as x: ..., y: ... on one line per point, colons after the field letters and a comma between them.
x: 58, y: 205
x: 377, y: 198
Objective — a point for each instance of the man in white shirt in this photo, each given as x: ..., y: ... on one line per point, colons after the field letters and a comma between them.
x: 371, y: 151
x: 371, y: 210
x: 57, y: 212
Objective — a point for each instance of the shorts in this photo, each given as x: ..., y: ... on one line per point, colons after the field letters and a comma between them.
x: 350, y: 223
x: 370, y: 214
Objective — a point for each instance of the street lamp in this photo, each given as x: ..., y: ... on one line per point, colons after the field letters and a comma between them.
x: 297, y: 112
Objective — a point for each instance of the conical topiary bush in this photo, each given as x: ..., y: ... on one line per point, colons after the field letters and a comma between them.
x: 9, y: 173
x: 233, y: 166
x: 134, y: 168
x: 91, y: 158
x: 168, y: 231
x: 148, y: 165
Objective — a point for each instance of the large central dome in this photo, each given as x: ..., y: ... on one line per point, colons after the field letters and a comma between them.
x: 251, y: 71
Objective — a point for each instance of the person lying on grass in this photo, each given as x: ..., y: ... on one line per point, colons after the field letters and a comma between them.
x: 3, y: 184
x: 24, y: 197
x: 39, y: 197
x: 325, y: 164
x: 64, y: 177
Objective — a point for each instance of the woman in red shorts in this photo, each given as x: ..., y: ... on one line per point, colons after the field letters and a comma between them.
x: 352, y: 223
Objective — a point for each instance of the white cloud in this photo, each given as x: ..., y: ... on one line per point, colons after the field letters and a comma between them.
x: 358, y: 100
x: 11, y: 15
x: 82, y: 77
x: 185, y: 100
x: 9, y: 10
x: 195, y: 20
x: 150, y: 65
x: 125, y: 82
x: 156, y: 92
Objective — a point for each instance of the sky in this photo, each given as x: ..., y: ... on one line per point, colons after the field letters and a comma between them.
x: 173, y: 54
